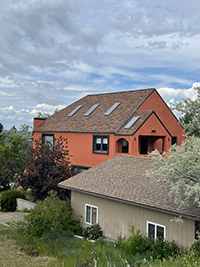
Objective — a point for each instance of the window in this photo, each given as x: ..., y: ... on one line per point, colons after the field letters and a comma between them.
x: 74, y: 111
x: 114, y: 106
x: 48, y: 139
x: 78, y: 169
x: 131, y: 122
x: 91, y: 214
x: 174, y: 140
x: 101, y: 144
x: 155, y: 230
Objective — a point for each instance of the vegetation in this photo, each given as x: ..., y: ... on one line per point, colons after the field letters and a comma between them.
x: 51, y: 215
x: 69, y: 251
x: 46, y: 166
x: 11, y: 159
x: 190, y: 110
x: 14, y: 145
x: 180, y: 170
x: 8, y: 199
x: 93, y: 232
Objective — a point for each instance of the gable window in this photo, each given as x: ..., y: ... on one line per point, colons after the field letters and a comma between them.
x: 101, y: 144
x: 156, y: 230
x: 48, y: 139
x: 91, y: 214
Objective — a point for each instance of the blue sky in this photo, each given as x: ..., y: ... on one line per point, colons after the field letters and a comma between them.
x: 57, y: 51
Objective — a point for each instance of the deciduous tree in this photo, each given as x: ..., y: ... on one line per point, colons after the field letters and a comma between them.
x: 180, y: 170
x: 46, y: 166
x: 190, y: 110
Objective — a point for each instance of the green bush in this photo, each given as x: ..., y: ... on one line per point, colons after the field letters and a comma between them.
x: 147, y: 247
x: 8, y: 199
x: 51, y: 214
x: 93, y: 232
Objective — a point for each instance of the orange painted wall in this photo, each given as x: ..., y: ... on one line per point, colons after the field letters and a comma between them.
x: 154, y: 102
x: 80, y: 145
x: 37, y: 122
x: 146, y: 130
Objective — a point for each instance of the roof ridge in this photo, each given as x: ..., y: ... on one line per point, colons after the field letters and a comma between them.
x: 127, y: 91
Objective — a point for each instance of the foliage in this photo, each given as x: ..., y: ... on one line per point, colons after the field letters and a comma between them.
x: 11, y: 159
x: 190, y: 110
x: 8, y: 200
x: 93, y: 232
x: 1, y: 127
x: 24, y: 133
x: 146, y: 247
x: 46, y: 166
x: 179, y: 169
x: 44, y: 115
x: 51, y: 214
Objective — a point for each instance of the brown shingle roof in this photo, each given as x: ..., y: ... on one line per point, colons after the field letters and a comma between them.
x: 122, y: 178
x: 96, y: 121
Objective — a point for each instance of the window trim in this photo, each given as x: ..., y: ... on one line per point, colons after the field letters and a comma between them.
x: 91, y: 206
x: 156, y: 224
x: 43, y: 138
x: 94, y: 144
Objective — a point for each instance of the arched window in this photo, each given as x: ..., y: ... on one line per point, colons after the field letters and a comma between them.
x: 122, y: 146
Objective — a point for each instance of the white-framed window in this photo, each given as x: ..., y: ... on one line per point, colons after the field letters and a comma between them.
x: 91, y: 214
x: 156, y: 230
x: 101, y: 144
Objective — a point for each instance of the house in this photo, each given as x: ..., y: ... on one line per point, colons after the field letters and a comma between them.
x: 100, y: 126
x: 116, y: 193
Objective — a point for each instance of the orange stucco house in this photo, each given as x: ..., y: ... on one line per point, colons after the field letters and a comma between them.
x: 101, y: 126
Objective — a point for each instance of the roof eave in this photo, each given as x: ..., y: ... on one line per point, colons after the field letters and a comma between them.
x: 177, y: 214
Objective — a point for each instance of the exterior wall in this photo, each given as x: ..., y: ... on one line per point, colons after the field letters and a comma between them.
x: 115, y: 217
x: 146, y: 131
x: 80, y: 145
x: 154, y: 102
x: 37, y: 122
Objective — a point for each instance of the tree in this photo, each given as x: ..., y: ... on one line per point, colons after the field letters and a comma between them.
x: 11, y: 159
x: 179, y: 169
x: 1, y: 127
x: 46, y: 166
x: 25, y: 132
x: 190, y: 110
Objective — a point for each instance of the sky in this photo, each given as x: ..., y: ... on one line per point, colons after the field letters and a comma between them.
x: 53, y: 52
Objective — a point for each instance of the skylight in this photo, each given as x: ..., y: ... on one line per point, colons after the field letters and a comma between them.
x: 74, y: 111
x: 131, y: 122
x: 111, y: 109
x: 90, y: 110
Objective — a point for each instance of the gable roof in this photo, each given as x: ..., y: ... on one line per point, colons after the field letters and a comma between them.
x: 96, y: 121
x: 123, y: 179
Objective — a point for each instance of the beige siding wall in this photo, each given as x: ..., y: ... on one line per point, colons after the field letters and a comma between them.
x: 115, y: 217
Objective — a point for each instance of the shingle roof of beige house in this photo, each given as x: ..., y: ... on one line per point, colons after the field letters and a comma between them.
x: 97, y: 122
x: 123, y: 179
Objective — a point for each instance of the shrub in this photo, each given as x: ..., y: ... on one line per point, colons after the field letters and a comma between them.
x: 51, y: 214
x: 137, y: 244
x: 8, y: 199
x: 93, y: 232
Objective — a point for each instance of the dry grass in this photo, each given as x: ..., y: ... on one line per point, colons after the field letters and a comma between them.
x: 10, y: 256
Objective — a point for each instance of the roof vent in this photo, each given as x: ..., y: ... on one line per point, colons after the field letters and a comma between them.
x: 131, y: 122
x: 90, y: 110
x: 74, y: 111
x: 111, y: 109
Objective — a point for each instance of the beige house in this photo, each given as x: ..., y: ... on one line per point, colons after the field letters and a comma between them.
x: 116, y: 194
